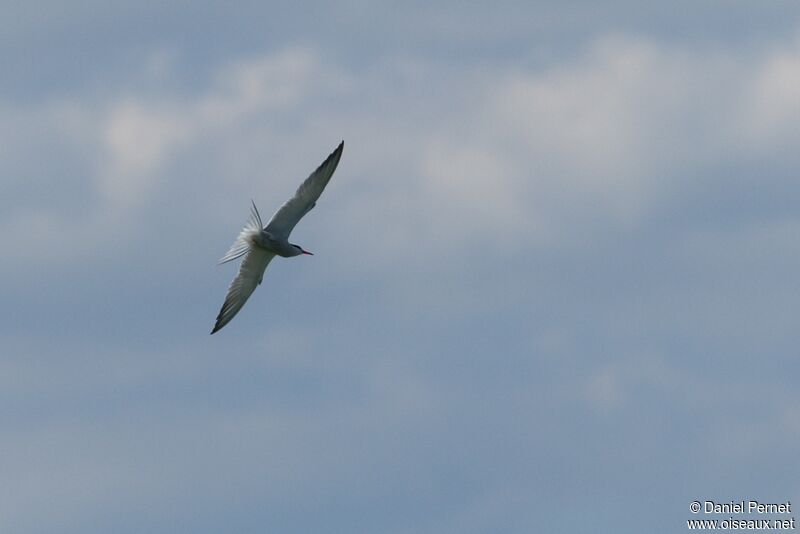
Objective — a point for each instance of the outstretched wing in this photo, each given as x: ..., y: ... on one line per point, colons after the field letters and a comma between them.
x: 305, y: 198
x: 251, y: 271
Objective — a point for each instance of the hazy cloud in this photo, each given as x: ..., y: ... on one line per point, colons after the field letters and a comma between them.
x: 551, y: 263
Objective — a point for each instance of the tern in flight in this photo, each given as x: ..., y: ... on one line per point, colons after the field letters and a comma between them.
x: 259, y: 244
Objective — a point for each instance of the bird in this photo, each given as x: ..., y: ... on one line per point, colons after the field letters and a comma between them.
x: 259, y: 244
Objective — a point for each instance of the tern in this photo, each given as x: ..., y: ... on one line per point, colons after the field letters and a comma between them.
x: 259, y: 244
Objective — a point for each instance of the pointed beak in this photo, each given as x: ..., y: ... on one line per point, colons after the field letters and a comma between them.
x: 307, y: 252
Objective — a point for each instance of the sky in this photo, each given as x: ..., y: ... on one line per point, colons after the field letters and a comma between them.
x: 554, y: 285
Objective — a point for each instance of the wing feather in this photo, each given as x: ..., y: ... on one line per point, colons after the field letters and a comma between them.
x: 306, y: 196
x: 251, y: 272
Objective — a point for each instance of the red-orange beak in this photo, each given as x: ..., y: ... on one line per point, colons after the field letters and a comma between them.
x: 307, y: 252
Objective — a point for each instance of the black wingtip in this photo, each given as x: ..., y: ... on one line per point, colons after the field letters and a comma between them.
x: 333, y: 158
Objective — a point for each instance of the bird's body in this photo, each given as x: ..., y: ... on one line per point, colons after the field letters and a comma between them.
x: 259, y: 244
x: 267, y: 241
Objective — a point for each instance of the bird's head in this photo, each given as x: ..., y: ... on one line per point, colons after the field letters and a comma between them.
x: 299, y: 250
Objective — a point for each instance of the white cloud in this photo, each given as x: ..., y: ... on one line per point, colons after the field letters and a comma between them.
x: 250, y: 86
x: 473, y: 197
x: 142, y: 134
x: 509, y: 305
x: 772, y: 109
x: 138, y: 140
x: 127, y: 142
x: 499, y: 160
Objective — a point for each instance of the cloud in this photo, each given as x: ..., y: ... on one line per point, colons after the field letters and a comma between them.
x: 140, y: 135
x: 537, y: 156
x: 770, y: 110
x: 138, y: 140
x: 532, y: 272
x: 126, y: 148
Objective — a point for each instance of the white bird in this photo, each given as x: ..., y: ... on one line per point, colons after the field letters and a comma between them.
x: 259, y: 244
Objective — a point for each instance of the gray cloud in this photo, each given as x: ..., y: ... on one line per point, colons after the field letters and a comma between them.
x: 552, y: 290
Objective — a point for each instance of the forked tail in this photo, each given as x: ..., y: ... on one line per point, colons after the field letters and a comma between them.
x: 242, y: 243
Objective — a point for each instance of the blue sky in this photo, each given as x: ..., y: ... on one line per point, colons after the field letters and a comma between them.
x: 554, y: 285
